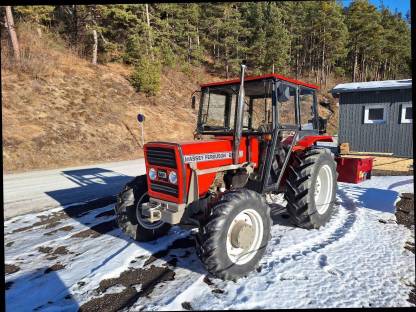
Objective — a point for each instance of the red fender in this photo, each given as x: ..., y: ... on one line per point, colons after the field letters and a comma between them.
x: 307, y: 141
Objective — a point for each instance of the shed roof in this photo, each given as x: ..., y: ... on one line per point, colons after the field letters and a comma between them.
x: 372, y: 86
x: 251, y: 78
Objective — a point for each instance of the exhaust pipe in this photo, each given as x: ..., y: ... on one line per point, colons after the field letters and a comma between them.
x: 238, y: 124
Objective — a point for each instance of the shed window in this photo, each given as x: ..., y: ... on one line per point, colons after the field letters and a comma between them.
x: 406, y: 113
x: 374, y: 115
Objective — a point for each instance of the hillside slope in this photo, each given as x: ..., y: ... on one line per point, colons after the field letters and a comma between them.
x: 74, y: 113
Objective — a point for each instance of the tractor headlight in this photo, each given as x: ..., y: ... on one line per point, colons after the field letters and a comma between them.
x: 152, y: 174
x: 173, y: 177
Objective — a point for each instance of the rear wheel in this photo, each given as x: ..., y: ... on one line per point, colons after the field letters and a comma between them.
x: 235, y: 237
x: 311, y: 188
x: 129, y: 214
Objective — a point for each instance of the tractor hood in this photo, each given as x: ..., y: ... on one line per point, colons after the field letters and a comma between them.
x: 165, y: 157
x: 205, y: 153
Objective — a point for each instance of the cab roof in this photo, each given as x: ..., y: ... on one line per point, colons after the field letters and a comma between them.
x: 251, y: 78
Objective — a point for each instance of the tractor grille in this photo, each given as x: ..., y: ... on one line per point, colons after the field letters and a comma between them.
x: 168, y: 189
x: 160, y: 156
x: 163, y: 157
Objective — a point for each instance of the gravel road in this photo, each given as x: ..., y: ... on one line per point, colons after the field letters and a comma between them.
x: 42, y: 190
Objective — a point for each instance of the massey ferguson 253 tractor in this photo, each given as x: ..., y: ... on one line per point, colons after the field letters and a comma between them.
x: 262, y: 137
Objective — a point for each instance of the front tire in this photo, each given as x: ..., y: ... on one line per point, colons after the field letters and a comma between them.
x: 311, y: 187
x: 128, y: 212
x: 234, y: 239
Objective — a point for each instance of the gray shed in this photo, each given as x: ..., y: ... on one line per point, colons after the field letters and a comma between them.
x: 376, y: 116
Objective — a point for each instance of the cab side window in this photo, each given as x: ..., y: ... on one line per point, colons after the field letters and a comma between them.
x: 262, y: 113
x: 306, y: 109
x: 286, y: 104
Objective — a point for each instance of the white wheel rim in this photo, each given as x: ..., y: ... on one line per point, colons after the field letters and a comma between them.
x: 253, y: 219
x: 141, y: 221
x: 323, y: 189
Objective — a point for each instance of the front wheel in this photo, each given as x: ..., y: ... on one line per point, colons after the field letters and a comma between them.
x: 129, y: 214
x: 234, y: 239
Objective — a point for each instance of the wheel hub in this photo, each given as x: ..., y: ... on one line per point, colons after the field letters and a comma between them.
x: 242, y: 235
x: 323, y: 189
x: 317, y: 187
x: 142, y: 220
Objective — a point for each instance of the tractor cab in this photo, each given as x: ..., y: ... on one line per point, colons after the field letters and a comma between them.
x: 270, y: 101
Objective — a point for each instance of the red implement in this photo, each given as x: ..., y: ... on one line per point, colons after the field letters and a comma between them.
x: 354, y: 170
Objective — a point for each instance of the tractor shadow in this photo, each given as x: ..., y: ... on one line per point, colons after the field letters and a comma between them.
x: 382, y: 200
x: 95, y: 189
x: 280, y: 216
x: 91, y: 183
x: 95, y: 196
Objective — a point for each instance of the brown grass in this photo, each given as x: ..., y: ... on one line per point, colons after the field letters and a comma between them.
x: 59, y: 110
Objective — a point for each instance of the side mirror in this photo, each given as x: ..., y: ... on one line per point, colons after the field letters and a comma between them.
x: 193, y: 101
x: 322, y: 123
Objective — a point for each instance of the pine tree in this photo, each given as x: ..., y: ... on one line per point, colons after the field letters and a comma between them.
x: 364, y: 25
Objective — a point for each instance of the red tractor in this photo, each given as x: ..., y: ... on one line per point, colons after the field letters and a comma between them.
x: 262, y: 137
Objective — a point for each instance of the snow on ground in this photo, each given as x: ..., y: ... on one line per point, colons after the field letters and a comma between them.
x: 372, y: 85
x: 62, y: 259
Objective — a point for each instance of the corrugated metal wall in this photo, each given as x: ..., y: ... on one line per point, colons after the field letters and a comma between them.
x: 390, y: 137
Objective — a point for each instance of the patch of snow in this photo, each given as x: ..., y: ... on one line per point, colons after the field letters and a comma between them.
x: 353, y: 261
x: 372, y: 85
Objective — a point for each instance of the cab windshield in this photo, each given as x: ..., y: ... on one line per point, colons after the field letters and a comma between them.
x: 218, y: 106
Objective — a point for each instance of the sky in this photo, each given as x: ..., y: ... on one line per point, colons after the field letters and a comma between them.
x: 401, y: 5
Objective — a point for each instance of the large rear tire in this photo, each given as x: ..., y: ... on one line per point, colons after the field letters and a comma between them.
x: 311, y: 187
x: 128, y: 212
x: 234, y: 239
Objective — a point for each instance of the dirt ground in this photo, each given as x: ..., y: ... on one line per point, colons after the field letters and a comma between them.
x: 405, y: 214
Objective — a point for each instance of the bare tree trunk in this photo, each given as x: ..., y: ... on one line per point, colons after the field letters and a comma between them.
x: 365, y: 72
x: 149, y: 30
x: 189, y: 48
x: 354, y: 71
x: 218, y: 47
x: 273, y: 68
x: 226, y: 63
x: 297, y: 64
x: 94, y: 50
x: 321, y: 79
x: 12, y: 32
x: 197, y: 37
x: 363, y: 69
x: 75, y: 23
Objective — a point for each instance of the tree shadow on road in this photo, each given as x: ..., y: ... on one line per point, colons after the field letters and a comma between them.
x: 92, y: 183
